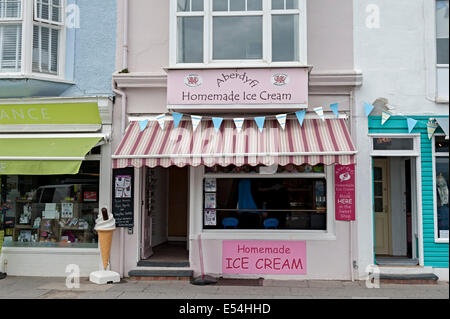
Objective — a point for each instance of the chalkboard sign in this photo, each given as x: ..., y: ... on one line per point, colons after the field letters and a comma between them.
x: 123, y: 197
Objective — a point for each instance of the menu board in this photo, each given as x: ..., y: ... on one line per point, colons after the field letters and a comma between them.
x: 123, y: 197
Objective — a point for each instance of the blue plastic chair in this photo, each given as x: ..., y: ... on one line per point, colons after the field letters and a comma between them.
x: 271, y: 223
x: 230, y: 222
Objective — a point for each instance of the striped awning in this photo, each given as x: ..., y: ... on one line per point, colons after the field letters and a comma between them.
x: 316, y: 142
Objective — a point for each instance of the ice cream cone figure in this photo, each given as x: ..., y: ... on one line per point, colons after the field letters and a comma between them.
x: 105, y: 226
x: 105, y: 241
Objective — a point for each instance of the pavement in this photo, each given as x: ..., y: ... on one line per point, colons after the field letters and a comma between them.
x: 55, y: 288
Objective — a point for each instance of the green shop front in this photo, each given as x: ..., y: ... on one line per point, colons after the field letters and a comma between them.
x: 55, y: 175
x: 410, y: 178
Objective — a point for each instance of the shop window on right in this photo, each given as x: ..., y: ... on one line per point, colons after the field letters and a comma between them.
x: 442, y: 182
x: 268, y: 203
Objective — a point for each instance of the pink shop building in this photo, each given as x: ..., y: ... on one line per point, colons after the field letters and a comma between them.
x: 233, y: 148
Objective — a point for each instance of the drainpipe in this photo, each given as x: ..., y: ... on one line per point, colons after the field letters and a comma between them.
x: 123, y: 118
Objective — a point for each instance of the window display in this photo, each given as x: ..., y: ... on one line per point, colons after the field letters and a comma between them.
x: 51, y: 211
x: 265, y: 202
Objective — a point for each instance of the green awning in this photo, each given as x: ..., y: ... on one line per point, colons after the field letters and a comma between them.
x: 38, y: 155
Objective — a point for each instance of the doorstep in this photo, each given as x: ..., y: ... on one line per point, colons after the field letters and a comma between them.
x: 161, y: 273
x: 408, y: 275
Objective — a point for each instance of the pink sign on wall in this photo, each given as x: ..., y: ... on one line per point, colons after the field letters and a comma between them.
x: 345, y: 192
x: 264, y: 257
x: 257, y: 86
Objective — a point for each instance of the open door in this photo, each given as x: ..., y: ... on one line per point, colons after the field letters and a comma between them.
x: 381, y: 206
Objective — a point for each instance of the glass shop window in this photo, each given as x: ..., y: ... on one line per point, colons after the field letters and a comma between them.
x: 393, y: 144
x: 51, y: 211
x: 273, y: 202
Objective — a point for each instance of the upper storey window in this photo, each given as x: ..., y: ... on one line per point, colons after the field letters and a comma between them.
x: 10, y: 35
x: 239, y: 32
x: 31, y: 37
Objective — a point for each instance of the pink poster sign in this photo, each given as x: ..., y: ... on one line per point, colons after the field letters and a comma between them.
x: 257, y: 86
x: 345, y: 192
x: 264, y: 257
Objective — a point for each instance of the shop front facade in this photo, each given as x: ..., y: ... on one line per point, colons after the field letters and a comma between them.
x: 55, y: 129
x: 232, y: 161
x: 403, y: 141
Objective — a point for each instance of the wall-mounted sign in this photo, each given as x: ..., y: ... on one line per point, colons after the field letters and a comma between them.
x: 264, y: 257
x: 239, y: 87
x: 345, y: 192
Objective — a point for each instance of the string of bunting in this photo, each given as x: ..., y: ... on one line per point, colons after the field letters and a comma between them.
x: 431, y: 125
x: 239, y: 121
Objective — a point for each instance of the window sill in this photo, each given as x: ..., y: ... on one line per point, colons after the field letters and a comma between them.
x: 35, y: 76
x: 266, y: 234
x: 31, y: 85
x: 237, y: 65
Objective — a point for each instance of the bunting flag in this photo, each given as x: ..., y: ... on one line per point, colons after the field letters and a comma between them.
x: 369, y: 108
x: 335, y: 108
x: 161, y: 120
x: 260, y: 122
x: 443, y: 123
x: 431, y: 127
x: 411, y: 124
x: 239, y: 122
x: 319, y: 111
x: 143, y: 125
x: 384, y: 117
x: 195, y: 121
x: 282, y: 120
x: 217, y: 123
x: 300, y: 116
x: 176, y: 118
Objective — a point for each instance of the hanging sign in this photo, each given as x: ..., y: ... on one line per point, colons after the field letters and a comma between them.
x: 264, y: 257
x: 192, y: 89
x: 344, y: 181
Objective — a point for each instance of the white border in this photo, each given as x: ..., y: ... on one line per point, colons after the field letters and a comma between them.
x: 434, y: 154
x: 266, y: 61
x: 417, y: 155
x: 196, y: 212
x: 414, y: 152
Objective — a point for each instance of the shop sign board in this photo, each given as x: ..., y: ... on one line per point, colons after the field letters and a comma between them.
x: 345, y: 192
x: 238, y: 87
x: 123, y: 197
x: 264, y: 257
x: 49, y: 113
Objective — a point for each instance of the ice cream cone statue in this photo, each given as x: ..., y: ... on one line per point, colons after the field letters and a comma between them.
x: 105, y: 226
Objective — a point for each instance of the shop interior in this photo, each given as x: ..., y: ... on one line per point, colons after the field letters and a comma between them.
x: 51, y: 211
x: 165, y: 217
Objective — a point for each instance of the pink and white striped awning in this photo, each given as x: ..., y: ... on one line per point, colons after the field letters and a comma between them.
x: 316, y: 142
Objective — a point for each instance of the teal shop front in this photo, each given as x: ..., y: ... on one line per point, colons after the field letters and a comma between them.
x: 410, y: 181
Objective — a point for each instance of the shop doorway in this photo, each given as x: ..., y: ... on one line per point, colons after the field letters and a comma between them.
x: 165, y: 217
x: 395, y: 213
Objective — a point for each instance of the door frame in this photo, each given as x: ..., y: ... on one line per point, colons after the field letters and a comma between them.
x: 416, y: 192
